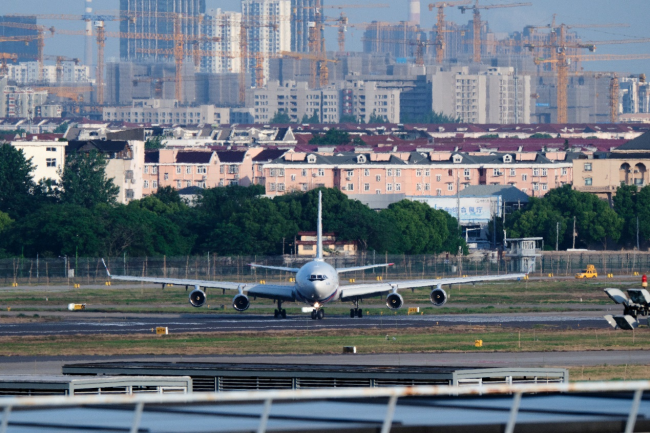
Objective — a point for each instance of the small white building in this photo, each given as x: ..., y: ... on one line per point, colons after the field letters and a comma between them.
x: 48, y: 157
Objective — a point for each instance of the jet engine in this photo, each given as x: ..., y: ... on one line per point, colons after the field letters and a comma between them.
x: 438, y: 297
x: 394, y: 301
x: 197, y: 298
x: 241, y: 303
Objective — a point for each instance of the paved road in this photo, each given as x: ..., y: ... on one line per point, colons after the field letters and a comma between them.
x: 116, y: 323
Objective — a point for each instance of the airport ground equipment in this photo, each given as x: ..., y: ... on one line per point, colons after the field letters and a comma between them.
x: 590, y: 272
x: 636, y: 303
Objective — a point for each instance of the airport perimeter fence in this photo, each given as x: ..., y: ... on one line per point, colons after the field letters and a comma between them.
x: 90, y: 270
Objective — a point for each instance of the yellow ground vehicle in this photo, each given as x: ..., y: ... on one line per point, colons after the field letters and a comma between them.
x: 590, y: 272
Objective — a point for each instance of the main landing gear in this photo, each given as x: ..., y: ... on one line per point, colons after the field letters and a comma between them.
x: 280, y: 312
x: 318, y: 314
x: 356, y: 311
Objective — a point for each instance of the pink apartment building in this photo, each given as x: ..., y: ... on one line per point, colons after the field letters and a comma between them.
x: 202, y: 168
x: 416, y: 173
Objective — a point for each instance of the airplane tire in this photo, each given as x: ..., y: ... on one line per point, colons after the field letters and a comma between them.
x: 283, y: 313
x: 360, y: 313
x: 352, y: 313
x: 314, y: 314
x: 320, y: 314
x: 276, y: 313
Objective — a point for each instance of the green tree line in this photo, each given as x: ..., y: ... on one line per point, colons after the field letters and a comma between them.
x: 81, y: 216
x: 597, y: 223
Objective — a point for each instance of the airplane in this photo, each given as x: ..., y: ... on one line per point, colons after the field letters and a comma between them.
x: 635, y: 304
x: 316, y: 284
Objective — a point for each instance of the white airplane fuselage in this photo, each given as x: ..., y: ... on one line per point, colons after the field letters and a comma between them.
x: 317, y: 283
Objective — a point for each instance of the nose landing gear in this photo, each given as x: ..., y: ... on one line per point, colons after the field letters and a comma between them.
x: 356, y: 311
x: 318, y: 314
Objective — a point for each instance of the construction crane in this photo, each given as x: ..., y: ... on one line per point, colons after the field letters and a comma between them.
x: 477, y: 22
x: 4, y: 57
x: 314, y: 77
x: 440, y: 27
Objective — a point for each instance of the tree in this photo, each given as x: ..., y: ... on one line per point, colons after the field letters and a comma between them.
x: 333, y: 136
x: 625, y: 205
x: 314, y: 119
x: 348, y: 118
x: 431, y: 117
x: 375, y: 118
x: 280, y: 117
x: 541, y: 135
x: 154, y: 143
x: 643, y: 212
x: 84, y: 182
x: 5, y: 221
x: 17, y: 188
x: 62, y: 128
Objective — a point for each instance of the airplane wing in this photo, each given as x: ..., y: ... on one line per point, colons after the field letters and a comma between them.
x: 269, y: 291
x: 180, y: 282
x: 361, y: 268
x: 369, y: 289
x: 275, y: 268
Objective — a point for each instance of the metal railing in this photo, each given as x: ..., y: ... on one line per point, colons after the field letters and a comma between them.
x: 268, y: 397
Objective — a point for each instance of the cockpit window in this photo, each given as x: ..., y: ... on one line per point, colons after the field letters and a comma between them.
x: 314, y: 277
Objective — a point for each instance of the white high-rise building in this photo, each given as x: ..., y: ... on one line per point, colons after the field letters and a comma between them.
x: 28, y: 72
x: 268, y: 24
x: 225, y: 27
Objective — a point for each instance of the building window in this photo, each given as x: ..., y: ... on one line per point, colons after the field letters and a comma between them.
x: 281, y: 171
x: 50, y: 149
x: 233, y: 169
x: 271, y: 187
x: 438, y: 178
x: 154, y: 184
x: 588, y: 181
x: 427, y: 172
x: 389, y: 187
x: 272, y: 172
x: 535, y: 186
x: 450, y: 187
x: 398, y: 187
x: 366, y: 187
x: 418, y: 187
x: 303, y: 186
x: 544, y: 172
x: 201, y: 170
x: 350, y: 187
x: 146, y: 169
x: 418, y: 173
x: 304, y: 172
x: 535, y: 171
x: 350, y: 173
x: 188, y: 170
x: 146, y: 184
x: 513, y: 172
x: 390, y: 172
x: 293, y: 177
x: 178, y: 184
x: 166, y: 176
x: 496, y: 172
x: 188, y: 183
x: 50, y: 162
x: 378, y: 178
x: 321, y: 172
x: 438, y: 192
x: 544, y: 187
x: 377, y: 191
x: 524, y: 177
x: 280, y: 187
x: 398, y: 172
x: 587, y: 166
x: 427, y: 187
x: 178, y: 170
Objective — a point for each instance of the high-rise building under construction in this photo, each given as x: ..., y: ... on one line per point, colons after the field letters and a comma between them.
x: 156, y: 17
x: 303, y: 12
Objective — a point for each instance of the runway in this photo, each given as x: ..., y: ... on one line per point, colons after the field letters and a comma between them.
x: 115, y: 323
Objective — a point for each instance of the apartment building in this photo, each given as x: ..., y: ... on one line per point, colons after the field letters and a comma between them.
x: 48, y: 158
x: 494, y: 96
x: 363, y: 99
x: 268, y: 28
x: 179, y: 168
x: 296, y: 100
x: 601, y: 173
x: 225, y: 29
x: 415, y: 173
x: 30, y: 72
x: 167, y: 111
x: 125, y: 163
x: 19, y: 102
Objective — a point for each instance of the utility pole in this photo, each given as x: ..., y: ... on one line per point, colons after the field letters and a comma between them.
x: 574, y: 233
x: 557, y: 234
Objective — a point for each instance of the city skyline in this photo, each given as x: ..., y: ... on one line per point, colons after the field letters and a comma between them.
x: 632, y: 12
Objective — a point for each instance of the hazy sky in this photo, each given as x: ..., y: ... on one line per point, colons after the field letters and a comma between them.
x: 636, y: 13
